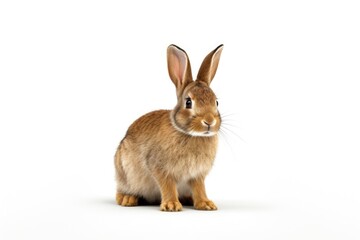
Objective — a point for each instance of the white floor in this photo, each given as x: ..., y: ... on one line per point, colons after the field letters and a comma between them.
x: 100, y: 218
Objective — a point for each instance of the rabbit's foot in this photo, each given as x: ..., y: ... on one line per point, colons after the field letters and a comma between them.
x: 171, y: 206
x: 205, y: 205
x: 126, y: 200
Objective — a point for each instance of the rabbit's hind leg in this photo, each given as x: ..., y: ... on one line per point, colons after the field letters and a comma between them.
x: 126, y: 200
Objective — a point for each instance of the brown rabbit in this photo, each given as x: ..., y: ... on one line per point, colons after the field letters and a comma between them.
x: 166, y: 154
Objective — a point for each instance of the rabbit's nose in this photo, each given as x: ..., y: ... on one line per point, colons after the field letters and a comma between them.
x: 208, y: 120
x: 208, y: 123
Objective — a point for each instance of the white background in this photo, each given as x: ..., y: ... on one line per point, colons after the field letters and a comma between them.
x: 75, y: 74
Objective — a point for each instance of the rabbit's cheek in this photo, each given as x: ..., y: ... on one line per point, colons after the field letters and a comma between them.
x: 183, y: 117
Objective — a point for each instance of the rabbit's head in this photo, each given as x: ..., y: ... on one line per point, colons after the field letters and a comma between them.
x: 196, y: 112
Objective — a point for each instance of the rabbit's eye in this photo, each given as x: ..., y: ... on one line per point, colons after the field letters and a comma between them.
x: 188, y: 103
x: 217, y: 103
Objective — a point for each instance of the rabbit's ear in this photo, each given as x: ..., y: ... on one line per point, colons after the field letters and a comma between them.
x: 179, y: 67
x: 209, y: 65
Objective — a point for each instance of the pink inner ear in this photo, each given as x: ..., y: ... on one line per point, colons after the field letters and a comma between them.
x: 176, y: 68
x: 179, y: 66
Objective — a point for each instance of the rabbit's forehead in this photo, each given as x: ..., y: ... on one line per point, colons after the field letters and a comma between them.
x: 201, y: 94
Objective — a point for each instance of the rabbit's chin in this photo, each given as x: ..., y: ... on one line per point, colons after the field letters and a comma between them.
x: 202, y: 134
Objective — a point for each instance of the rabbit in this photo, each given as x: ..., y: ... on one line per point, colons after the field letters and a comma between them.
x: 166, y: 154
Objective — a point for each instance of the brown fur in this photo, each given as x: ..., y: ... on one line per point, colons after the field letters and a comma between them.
x: 165, y: 154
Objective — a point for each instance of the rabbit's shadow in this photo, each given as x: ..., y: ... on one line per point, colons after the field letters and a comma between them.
x: 225, y: 205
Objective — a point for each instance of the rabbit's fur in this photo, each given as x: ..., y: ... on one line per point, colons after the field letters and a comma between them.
x: 166, y: 154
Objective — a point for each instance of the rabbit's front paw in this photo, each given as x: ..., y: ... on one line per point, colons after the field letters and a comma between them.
x: 205, y: 205
x: 171, y: 206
